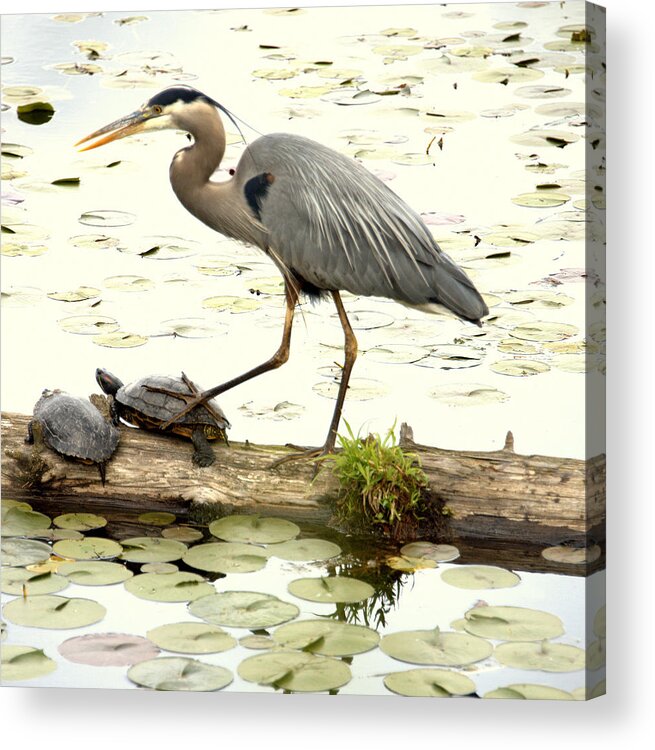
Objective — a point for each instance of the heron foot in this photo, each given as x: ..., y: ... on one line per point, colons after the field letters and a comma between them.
x: 194, y: 398
x: 317, y: 455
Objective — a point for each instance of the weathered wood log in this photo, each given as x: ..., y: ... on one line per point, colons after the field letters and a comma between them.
x: 499, y: 495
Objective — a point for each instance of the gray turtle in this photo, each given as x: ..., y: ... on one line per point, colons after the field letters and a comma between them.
x: 73, y: 427
x: 151, y: 402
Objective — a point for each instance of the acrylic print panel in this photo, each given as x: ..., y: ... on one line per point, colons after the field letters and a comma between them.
x: 488, y: 121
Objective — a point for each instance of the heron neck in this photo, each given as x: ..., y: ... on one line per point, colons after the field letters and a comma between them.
x: 194, y: 165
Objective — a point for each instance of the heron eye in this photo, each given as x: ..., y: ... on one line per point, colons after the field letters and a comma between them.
x: 157, y: 109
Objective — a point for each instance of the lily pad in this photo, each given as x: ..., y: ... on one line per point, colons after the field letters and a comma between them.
x: 18, y: 581
x: 25, y: 663
x: 94, y: 241
x: 600, y: 622
x: 305, y: 550
x: 436, y: 647
x: 295, y: 671
x: 337, y: 589
x: 519, y: 367
x: 283, y: 410
x: 572, y: 555
x: 397, y: 353
x: 157, y: 518
x: 108, y: 649
x: 53, y: 612
x: 226, y: 557
x: 480, y: 577
x: 89, y: 325
x: 184, y: 534
x: 143, y: 549
x: 159, y: 568
x: 468, y: 394
x: 129, y: 283
x: 359, y: 389
x: 544, y: 656
x: 194, y: 328
x: 543, y: 330
x: 243, y: 609
x: 508, y: 75
x: 545, y: 199
x: 540, y: 138
x: 177, y: 673
x: 120, y: 340
x: 89, y: 548
x: 75, y: 295
x: 254, y: 529
x: 257, y: 642
x: 512, y: 623
x: 435, y: 683
x: 35, y: 113
x: 80, y: 521
x: 91, y: 573
x: 171, y: 587
x: 408, y: 564
x: 430, y: 551
x: 107, y: 218
x: 232, y: 304
x: 192, y: 638
x: 20, y: 552
x: 542, y: 92
x: 525, y: 691
x: 15, y: 250
x: 17, y: 521
x: 326, y: 637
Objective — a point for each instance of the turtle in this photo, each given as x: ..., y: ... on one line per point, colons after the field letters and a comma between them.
x: 73, y: 427
x: 152, y: 401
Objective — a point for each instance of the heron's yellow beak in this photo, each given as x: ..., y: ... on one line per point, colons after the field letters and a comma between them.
x: 133, y: 123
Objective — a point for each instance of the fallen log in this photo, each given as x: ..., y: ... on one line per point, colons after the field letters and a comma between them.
x: 498, y: 496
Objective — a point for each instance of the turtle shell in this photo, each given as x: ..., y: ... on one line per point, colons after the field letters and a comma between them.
x: 136, y: 402
x: 74, y: 427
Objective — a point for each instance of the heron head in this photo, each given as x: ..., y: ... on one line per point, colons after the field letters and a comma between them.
x: 172, y: 108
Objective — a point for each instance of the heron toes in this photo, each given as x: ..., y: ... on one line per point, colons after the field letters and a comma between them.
x: 310, y: 454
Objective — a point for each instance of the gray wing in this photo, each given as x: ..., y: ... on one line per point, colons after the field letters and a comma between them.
x: 337, y: 226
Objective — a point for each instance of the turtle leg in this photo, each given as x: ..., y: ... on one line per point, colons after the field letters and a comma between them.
x: 203, y: 454
x: 29, y: 438
x: 102, y: 468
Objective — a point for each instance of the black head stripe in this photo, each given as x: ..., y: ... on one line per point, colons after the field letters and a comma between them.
x: 179, y: 93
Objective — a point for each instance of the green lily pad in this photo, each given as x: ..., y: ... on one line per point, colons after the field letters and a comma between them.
x: 525, y: 691
x: 129, y: 283
x: 89, y: 325
x: 468, y: 394
x: 184, y: 534
x: 120, y: 340
x: 480, y: 577
x: 35, y: 113
x: 108, y: 649
x: 243, y: 609
x: 16, y: 250
x: 359, y: 389
x: 435, y: 683
x: 233, y: 304
x: 75, y: 295
x: 541, y: 138
x: 295, y: 671
x: 89, y: 548
x: 53, y: 612
x: 226, y: 557
x: 158, y: 518
x: 543, y: 330
x: 105, y: 218
x: 80, y: 521
x: 326, y: 637
x: 160, y: 568
x: 304, y: 550
x: 397, y: 353
x: 192, y: 638
x: 338, y: 589
x: 430, y: 551
x: 25, y: 663
x: 20, y: 552
x: 435, y: 647
x: 144, y: 549
x: 94, y: 241
x: 508, y: 75
x: 519, y: 367
x: 92, y: 573
x: 408, y: 564
x: 257, y: 642
x: 194, y: 328
x: 177, y: 673
x: 600, y: 622
x: 253, y: 529
x: 171, y: 587
x: 596, y: 655
x: 19, y: 522
x: 542, y: 92
x: 15, y: 581
x: 544, y: 656
x: 572, y: 555
x: 512, y: 623
x: 545, y: 199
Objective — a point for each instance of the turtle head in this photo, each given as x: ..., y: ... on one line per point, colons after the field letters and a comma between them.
x: 109, y: 383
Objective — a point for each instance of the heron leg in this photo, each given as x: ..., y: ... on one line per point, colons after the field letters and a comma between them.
x: 279, y: 358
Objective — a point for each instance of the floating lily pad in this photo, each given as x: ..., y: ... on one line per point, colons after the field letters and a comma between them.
x: 157, y: 518
x: 75, y: 295
x: 600, y: 622
x: 571, y: 363
x: 94, y: 241
x: 306, y: 92
x: 226, y: 557
x: 540, y: 138
x: 596, y: 655
x: 89, y: 325
x: 546, y: 199
x: 192, y: 638
x: 435, y: 647
x: 35, y: 113
x: 430, y: 551
x: 18, y: 581
x: 143, y: 549
x: 359, y: 389
x: 15, y: 250
x: 80, y: 521
x: 22, y: 552
x: 304, y: 550
x: 275, y: 74
x: 508, y: 75
x: 257, y: 642
x: 129, y: 283
x: 177, y: 673
x: 480, y: 577
x: 544, y: 656
x: 326, y: 637
x: 120, y: 340
x: 512, y: 623
x: 453, y: 357
x: 435, y: 683
x: 17, y: 521
x: 408, y: 564
x: 526, y: 691
x: 519, y: 367
x: 543, y: 330
x: 539, y: 299
x: 89, y: 548
x: 184, y: 534
x: 572, y: 555
x: 542, y: 92
x: 397, y: 353
x: 338, y: 589
x: 162, y: 248
x: 243, y: 609
x: 159, y: 568
x: 253, y: 529
x: 108, y: 649
x: 281, y: 411
x: 25, y: 663
x: 91, y: 573
x: 295, y: 671
x: 468, y: 394
x: 194, y: 328
x: 106, y: 218
x: 53, y: 612
x: 232, y: 304
x: 171, y: 587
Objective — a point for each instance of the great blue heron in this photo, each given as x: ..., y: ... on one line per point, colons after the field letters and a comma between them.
x: 325, y: 221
